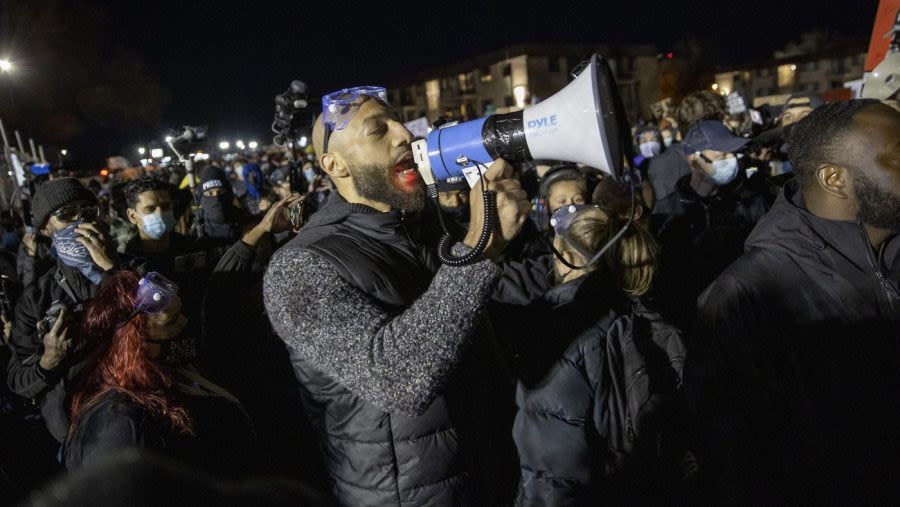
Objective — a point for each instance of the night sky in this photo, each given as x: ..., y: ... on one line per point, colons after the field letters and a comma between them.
x: 100, y: 77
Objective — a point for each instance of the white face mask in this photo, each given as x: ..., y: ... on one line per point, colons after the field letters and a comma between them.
x: 650, y: 149
x: 667, y: 141
x: 724, y: 171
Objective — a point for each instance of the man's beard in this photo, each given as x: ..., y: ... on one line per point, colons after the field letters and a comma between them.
x: 374, y: 182
x: 877, y: 207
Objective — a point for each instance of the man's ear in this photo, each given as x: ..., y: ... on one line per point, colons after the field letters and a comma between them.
x: 132, y: 216
x: 333, y: 165
x: 834, y: 179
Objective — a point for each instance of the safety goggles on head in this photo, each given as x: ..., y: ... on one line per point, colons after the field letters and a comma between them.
x: 152, y: 295
x: 74, y: 212
x: 339, y: 107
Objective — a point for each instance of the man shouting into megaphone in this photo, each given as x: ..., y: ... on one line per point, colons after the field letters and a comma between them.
x: 395, y: 363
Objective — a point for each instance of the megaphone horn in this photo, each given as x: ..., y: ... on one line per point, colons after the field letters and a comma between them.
x: 582, y: 123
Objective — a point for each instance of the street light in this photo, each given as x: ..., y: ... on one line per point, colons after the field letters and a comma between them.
x: 142, y: 150
x: 253, y: 145
x: 5, y: 65
x: 169, y: 138
x: 240, y: 144
x: 224, y: 145
x: 64, y: 152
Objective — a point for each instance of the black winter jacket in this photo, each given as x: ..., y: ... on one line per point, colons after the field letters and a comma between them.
x: 562, y: 379
x: 795, y: 375
x: 701, y: 237
x: 664, y: 171
x: 242, y: 354
x: 25, y: 376
x: 222, y: 439
x: 407, y: 411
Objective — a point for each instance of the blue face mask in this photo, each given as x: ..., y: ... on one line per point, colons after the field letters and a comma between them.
x: 724, y: 171
x: 156, y: 225
x: 74, y: 254
x: 309, y: 174
x: 650, y: 149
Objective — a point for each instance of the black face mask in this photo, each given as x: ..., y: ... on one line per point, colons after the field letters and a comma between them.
x: 217, y: 209
x: 459, y: 214
x: 178, y: 351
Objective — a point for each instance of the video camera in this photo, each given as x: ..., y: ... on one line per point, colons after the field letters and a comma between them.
x: 292, y: 115
x: 292, y: 122
x: 187, y: 134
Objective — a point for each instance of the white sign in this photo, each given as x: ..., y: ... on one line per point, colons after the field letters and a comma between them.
x: 736, y: 103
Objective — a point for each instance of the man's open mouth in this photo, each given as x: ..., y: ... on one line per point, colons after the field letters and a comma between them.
x: 405, y: 166
x: 405, y: 171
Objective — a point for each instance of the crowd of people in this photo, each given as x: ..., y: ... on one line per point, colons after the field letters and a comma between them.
x: 719, y: 327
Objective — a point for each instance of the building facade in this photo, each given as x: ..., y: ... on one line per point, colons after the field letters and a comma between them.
x: 512, y: 79
x: 772, y: 81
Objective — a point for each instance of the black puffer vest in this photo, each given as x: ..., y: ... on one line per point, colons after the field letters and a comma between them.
x: 375, y: 457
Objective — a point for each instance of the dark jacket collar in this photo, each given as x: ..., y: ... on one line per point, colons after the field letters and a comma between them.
x: 789, y: 227
x: 368, y: 220
x: 593, y: 289
x: 73, y: 283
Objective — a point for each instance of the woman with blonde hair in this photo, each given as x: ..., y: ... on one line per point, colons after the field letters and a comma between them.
x: 574, y: 350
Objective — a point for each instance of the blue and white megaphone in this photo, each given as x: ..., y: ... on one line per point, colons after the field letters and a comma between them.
x: 582, y: 123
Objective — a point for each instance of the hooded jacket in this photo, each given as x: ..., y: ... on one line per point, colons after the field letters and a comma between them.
x: 795, y: 374
x: 377, y: 331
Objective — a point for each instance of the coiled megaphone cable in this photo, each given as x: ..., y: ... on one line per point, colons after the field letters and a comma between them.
x: 489, y: 198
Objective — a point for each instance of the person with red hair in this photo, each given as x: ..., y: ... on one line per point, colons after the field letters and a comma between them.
x: 138, y: 388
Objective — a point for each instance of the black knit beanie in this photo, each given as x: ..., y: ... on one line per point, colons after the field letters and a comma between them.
x: 55, y: 194
x: 213, y: 177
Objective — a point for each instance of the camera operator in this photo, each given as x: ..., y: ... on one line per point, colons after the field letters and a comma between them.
x: 378, y: 330
x: 65, y: 211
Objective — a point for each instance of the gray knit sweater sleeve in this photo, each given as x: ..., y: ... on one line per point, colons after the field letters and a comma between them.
x: 398, y: 362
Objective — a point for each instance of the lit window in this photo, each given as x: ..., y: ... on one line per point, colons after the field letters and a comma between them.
x: 787, y: 75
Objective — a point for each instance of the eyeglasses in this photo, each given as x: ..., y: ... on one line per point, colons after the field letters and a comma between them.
x: 74, y: 212
x: 339, y: 107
